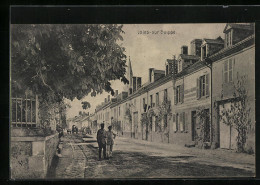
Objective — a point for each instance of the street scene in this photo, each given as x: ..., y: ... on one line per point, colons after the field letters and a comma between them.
x: 132, y: 101
x: 137, y: 159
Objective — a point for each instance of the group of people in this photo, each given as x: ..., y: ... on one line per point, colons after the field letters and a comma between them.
x: 105, y: 141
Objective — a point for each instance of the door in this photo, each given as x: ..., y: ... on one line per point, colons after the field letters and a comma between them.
x: 193, y: 125
x: 227, y: 133
x: 135, y: 124
x: 207, y: 127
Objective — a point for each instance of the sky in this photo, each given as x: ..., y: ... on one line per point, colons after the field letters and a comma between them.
x: 151, y: 51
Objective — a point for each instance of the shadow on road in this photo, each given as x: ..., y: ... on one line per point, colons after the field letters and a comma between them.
x: 51, y: 173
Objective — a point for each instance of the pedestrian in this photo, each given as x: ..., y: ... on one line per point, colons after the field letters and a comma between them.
x: 101, y: 139
x: 110, y: 141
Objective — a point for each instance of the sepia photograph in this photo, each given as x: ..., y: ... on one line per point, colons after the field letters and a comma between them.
x: 132, y: 101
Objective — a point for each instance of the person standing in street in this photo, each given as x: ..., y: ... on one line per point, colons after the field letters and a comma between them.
x: 110, y: 141
x: 101, y: 139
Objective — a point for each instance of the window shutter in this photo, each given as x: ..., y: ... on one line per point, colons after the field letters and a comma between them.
x: 198, y: 88
x: 174, y: 124
x: 177, y: 122
x: 183, y: 120
x: 182, y: 93
x: 175, y: 96
x: 207, y: 84
x: 173, y: 118
x: 175, y: 67
x: 230, y: 70
x: 186, y: 122
x: 225, y: 71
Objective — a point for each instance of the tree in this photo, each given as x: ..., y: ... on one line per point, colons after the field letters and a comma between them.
x: 85, y: 105
x: 203, y: 116
x: 238, y: 114
x: 66, y: 61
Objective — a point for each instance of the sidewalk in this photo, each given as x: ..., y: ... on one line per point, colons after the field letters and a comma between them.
x: 72, y: 162
x: 218, y: 156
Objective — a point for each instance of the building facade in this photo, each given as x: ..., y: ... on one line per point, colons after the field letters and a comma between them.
x: 182, y: 103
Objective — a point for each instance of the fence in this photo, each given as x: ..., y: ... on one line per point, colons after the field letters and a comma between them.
x: 24, y: 112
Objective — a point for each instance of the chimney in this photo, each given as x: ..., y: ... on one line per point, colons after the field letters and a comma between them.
x: 184, y: 50
x: 130, y: 91
x: 195, y: 47
x: 108, y: 98
x: 116, y: 93
x: 134, y: 84
x: 139, y: 82
x: 150, y: 74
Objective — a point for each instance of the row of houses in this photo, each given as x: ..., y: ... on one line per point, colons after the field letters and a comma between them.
x: 184, y: 103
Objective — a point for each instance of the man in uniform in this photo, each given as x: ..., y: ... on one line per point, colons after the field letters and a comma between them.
x: 101, y: 139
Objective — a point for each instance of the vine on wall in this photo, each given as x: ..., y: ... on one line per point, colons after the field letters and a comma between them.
x: 238, y: 115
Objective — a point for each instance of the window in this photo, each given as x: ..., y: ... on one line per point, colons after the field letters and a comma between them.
x: 228, y: 37
x: 228, y: 71
x: 179, y: 96
x: 151, y: 101
x: 203, y: 51
x: 165, y: 95
x: 177, y: 122
x: 157, y: 99
x: 144, y: 105
x: 167, y: 69
x: 180, y: 122
x: 157, y: 125
x: 203, y: 86
x: 165, y: 121
x: 179, y: 66
x: 119, y: 111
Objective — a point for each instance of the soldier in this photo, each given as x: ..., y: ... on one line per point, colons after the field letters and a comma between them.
x: 101, y: 139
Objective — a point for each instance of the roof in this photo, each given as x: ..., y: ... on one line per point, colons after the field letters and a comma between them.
x: 191, y: 68
x: 189, y: 57
x: 247, y: 42
x: 214, y: 41
x: 196, y: 40
x: 159, y: 71
x: 238, y: 26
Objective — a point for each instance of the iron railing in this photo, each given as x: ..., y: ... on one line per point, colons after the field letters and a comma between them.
x: 24, y: 112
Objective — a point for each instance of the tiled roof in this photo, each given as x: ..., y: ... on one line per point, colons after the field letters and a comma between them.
x: 159, y: 71
x: 239, y: 26
x: 214, y: 41
x: 189, y: 57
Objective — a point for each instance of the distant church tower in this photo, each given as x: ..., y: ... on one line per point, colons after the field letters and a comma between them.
x: 129, y: 76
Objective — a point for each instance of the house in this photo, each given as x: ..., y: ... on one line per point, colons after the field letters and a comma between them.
x: 229, y: 66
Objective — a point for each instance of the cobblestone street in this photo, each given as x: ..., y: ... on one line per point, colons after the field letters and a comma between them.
x: 141, y: 159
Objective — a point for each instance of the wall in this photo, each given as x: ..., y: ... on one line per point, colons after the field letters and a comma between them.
x: 190, y: 103
x: 244, y: 65
x: 30, y: 157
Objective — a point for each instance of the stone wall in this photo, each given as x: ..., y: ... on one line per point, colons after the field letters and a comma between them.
x: 31, y: 156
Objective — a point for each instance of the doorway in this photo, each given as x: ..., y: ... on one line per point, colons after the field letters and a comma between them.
x: 207, y: 127
x: 135, y: 125
x: 193, y: 125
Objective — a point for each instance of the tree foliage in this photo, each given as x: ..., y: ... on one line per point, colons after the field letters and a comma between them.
x: 85, y: 105
x: 66, y: 61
